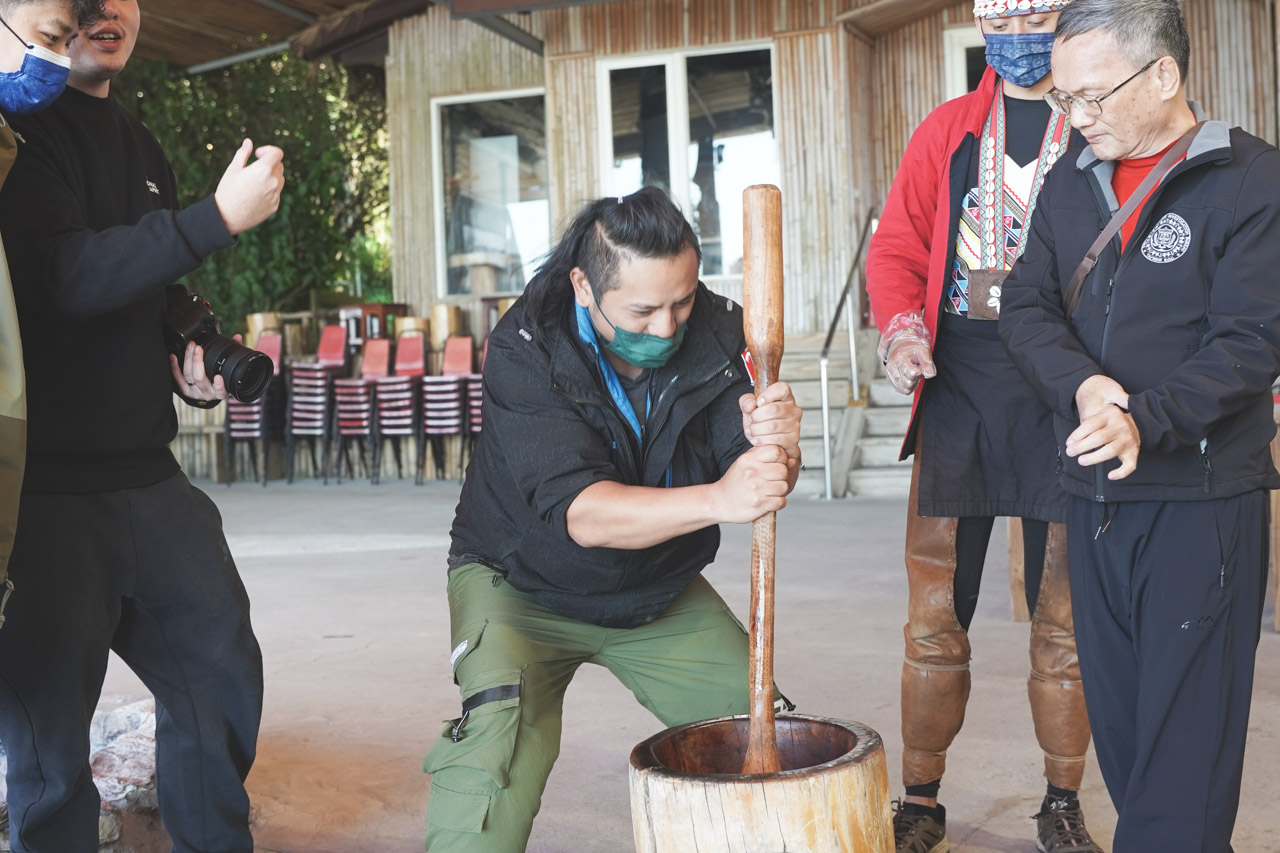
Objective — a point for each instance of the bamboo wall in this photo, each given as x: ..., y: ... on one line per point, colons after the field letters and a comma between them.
x: 636, y: 26
x: 812, y: 91
x: 846, y: 107
x: 1233, y: 60
x: 1233, y: 72
x: 909, y: 82
x: 431, y: 56
x: 572, y: 135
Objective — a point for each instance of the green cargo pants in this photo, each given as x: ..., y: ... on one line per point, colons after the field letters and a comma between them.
x: 514, y: 659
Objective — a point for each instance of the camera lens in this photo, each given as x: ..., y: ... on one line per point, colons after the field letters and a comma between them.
x: 247, y: 372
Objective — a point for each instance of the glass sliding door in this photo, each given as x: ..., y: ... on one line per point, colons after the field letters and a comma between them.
x: 731, y: 147
x: 699, y: 126
x: 493, y: 196
x: 641, y: 156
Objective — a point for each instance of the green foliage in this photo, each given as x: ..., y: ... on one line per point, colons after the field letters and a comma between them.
x: 330, y: 122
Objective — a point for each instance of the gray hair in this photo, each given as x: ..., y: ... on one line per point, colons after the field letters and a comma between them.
x: 1143, y: 29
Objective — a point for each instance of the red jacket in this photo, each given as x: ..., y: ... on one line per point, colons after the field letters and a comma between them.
x: 910, y: 255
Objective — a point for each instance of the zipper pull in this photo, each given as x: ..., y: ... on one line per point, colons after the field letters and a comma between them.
x: 1111, y: 285
x: 1206, y: 464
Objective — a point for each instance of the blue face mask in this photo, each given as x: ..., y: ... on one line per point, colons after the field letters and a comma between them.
x: 35, y: 85
x: 1021, y: 58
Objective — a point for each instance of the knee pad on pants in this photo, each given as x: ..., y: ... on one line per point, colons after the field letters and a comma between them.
x: 1054, y: 687
x: 935, y: 691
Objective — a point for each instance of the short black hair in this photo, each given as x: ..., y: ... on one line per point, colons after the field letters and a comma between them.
x: 87, y: 12
x: 1144, y: 29
x: 604, y: 234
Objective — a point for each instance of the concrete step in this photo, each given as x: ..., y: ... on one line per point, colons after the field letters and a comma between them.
x: 885, y: 395
x: 809, y: 396
x: 880, y: 453
x: 811, y: 449
x: 811, y: 484
x: 797, y: 368
x: 892, y: 482
x: 888, y: 421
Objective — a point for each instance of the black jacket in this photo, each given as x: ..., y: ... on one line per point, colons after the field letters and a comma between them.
x: 1187, y: 320
x: 91, y: 226
x: 551, y: 429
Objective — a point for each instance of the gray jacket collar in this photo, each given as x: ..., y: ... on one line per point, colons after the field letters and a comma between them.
x: 1214, y: 138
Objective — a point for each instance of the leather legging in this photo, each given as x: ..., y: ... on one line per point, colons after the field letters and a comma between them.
x: 935, y: 671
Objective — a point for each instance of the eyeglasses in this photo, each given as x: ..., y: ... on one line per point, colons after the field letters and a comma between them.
x: 1062, y: 103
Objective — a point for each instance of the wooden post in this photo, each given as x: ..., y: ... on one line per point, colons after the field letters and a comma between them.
x: 1017, y: 573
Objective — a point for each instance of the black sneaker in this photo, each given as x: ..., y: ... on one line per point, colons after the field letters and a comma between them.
x: 918, y: 831
x: 1060, y: 828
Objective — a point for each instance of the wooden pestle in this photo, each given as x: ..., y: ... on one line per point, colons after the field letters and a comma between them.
x: 762, y: 323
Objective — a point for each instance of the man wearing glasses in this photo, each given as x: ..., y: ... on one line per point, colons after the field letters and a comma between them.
x: 983, y: 441
x: 1159, y: 378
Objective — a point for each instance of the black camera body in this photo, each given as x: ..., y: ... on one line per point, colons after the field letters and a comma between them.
x: 188, y: 318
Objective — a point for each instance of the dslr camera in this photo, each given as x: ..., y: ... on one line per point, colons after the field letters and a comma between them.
x: 188, y: 317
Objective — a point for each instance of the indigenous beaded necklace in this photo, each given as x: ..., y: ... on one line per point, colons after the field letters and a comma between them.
x: 999, y: 251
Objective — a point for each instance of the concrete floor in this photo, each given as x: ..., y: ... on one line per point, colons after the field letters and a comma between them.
x: 347, y: 584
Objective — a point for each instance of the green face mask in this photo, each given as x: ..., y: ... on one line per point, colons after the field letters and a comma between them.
x: 641, y: 349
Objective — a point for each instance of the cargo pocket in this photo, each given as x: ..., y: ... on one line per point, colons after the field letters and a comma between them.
x: 471, y: 760
x: 477, y: 746
x: 459, y: 811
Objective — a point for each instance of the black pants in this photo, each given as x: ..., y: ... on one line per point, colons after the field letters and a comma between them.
x: 145, y: 572
x: 973, y: 535
x: 1168, y: 605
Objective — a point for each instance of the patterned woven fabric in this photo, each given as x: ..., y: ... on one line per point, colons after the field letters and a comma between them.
x: 1009, y: 8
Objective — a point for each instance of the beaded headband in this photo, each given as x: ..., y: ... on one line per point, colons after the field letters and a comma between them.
x: 1010, y: 8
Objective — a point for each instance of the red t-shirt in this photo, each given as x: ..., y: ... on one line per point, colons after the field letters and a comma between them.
x: 1128, y: 175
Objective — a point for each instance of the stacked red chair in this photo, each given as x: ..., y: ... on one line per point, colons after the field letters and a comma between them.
x: 259, y: 423
x: 353, y: 414
x: 310, y: 402
x: 475, y: 401
x: 396, y: 400
x: 444, y: 403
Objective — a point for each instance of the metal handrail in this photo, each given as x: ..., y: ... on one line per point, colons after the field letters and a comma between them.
x: 845, y: 304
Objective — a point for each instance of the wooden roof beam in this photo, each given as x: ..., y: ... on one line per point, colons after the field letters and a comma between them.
x: 502, y: 27
x: 358, y: 23
x: 884, y: 16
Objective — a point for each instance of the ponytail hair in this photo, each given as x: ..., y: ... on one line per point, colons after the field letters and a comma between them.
x: 604, y: 234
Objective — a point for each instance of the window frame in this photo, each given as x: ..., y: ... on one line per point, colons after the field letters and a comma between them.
x: 956, y: 42
x: 676, y: 65
x: 437, y: 179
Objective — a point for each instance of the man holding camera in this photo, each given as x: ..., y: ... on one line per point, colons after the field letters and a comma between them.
x: 33, y: 72
x: 115, y: 550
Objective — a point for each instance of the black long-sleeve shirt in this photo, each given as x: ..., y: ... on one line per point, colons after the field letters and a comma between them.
x: 91, y: 226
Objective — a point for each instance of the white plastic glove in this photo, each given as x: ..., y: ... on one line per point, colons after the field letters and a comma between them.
x: 906, y: 351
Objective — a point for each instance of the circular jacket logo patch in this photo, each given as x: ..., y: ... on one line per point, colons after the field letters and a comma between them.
x: 1168, y: 241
